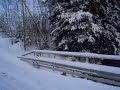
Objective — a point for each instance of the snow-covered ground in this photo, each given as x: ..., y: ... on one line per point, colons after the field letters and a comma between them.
x: 18, y: 75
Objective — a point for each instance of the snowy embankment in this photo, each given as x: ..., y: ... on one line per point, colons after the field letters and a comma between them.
x: 17, y: 75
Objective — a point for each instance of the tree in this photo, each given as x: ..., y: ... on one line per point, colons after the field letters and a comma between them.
x: 86, y: 25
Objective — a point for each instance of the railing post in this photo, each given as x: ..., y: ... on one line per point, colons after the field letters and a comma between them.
x: 34, y: 53
x: 87, y: 60
x: 54, y: 55
x: 39, y: 54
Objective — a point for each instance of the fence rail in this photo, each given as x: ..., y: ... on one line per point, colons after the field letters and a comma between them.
x: 95, y: 75
x: 79, y: 54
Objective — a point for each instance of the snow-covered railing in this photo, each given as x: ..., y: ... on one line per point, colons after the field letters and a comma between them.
x: 78, y: 54
x: 99, y: 73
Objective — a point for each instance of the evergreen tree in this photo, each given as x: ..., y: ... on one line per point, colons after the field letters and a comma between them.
x: 86, y: 25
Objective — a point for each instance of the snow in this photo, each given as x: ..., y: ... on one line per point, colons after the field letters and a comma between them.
x: 77, y: 16
x: 82, y: 38
x: 62, y: 42
x: 95, y: 28
x: 18, y: 75
x: 44, y: 0
x: 91, y: 39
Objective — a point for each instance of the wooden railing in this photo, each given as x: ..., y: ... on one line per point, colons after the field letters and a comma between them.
x: 78, y: 54
x: 75, y: 56
x: 51, y: 60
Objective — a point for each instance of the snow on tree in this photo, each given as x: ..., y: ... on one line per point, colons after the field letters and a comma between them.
x: 86, y: 25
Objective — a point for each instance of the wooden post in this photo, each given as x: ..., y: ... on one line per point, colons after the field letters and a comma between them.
x: 87, y: 60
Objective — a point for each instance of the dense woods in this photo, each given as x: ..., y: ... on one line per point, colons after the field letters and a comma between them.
x: 65, y: 25
x: 26, y: 21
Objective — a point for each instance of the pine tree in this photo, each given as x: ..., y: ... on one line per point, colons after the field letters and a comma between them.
x: 86, y: 25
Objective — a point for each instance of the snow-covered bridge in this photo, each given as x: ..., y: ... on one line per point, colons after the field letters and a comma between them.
x: 62, y: 61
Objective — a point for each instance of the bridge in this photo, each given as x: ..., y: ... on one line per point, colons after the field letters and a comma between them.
x: 65, y: 62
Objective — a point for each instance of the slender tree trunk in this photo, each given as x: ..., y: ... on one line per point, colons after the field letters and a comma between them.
x: 23, y: 12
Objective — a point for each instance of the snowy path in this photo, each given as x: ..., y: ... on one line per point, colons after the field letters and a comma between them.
x: 18, y: 75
